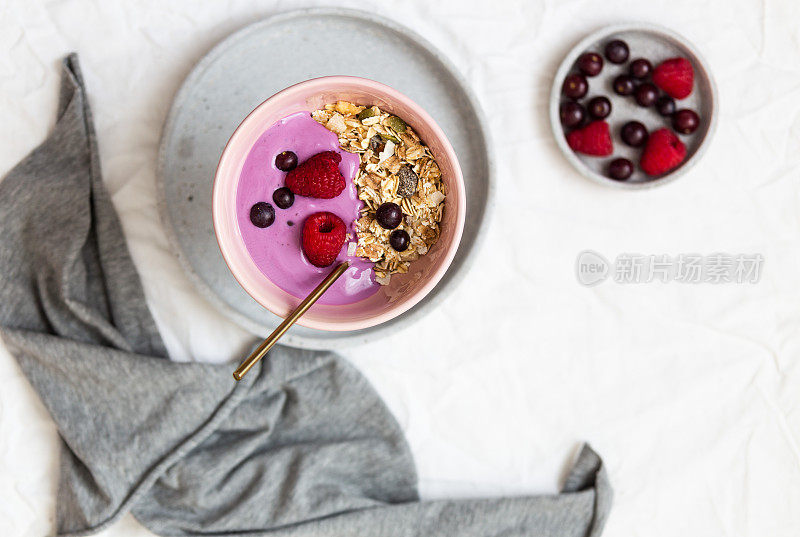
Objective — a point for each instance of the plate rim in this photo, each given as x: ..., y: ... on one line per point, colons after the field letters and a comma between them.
x: 335, y: 340
x: 555, y: 99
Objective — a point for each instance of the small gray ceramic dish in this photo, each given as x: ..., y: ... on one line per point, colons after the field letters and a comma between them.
x: 258, y: 61
x: 656, y: 44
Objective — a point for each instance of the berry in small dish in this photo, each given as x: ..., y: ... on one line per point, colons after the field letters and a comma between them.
x: 641, y: 118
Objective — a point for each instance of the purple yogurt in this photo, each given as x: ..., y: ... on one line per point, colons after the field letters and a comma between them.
x: 276, y: 250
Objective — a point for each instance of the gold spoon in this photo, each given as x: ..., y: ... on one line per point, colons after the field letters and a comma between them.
x: 273, y: 338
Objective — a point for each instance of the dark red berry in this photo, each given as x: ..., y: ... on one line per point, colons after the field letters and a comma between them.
x: 283, y: 197
x: 624, y: 85
x: 575, y: 86
x: 634, y: 134
x: 399, y: 240
x: 685, y: 121
x: 646, y: 94
x: 590, y: 63
x: 572, y: 114
x: 599, y: 107
x: 389, y: 215
x: 262, y: 214
x: 620, y: 169
x: 640, y: 68
x: 617, y: 51
x: 286, y: 161
x: 665, y: 105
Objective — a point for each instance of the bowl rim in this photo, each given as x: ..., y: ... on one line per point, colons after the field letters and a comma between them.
x: 555, y: 99
x: 321, y: 84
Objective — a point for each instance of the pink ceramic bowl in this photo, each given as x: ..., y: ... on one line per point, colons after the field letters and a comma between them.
x: 405, y: 290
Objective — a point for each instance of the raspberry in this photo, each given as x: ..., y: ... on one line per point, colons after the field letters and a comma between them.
x: 594, y: 139
x: 663, y: 152
x: 318, y: 177
x: 675, y: 77
x: 323, y: 237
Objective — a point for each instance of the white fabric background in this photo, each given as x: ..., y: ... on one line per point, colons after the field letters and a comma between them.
x: 690, y: 393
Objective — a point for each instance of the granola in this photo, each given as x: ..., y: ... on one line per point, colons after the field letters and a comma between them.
x: 395, y: 167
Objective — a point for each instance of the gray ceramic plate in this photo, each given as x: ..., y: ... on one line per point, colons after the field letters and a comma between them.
x: 266, y: 57
x: 656, y: 44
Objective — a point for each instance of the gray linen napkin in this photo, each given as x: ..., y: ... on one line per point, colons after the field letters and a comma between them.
x: 303, y: 446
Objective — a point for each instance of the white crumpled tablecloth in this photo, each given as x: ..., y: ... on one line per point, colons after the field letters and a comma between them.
x: 691, y: 393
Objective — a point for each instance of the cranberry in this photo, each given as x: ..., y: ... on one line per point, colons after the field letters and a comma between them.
x: 572, y: 114
x: 617, y: 51
x: 646, y: 94
x: 599, y: 107
x: 634, y: 134
x: 685, y: 121
x: 640, y: 68
x: 590, y: 63
x: 620, y: 169
x: 575, y: 86
x: 665, y: 105
x: 624, y: 85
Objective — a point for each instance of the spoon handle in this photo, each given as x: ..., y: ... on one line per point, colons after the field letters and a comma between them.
x: 273, y: 338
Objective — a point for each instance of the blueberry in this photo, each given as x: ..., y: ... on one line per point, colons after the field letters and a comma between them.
x: 624, y: 85
x: 399, y: 240
x: 620, y: 169
x: 283, y: 197
x: 640, y: 68
x: 634, y: 134
x: 286, y: 161
x: 575, y: 86
x: 599, y: 107
x: 646, y: 94
x: 389, y: 215
x: 590, y: 63
x: 685, y: 121
x: 262, y: 214
x: 572, y: 114
x: 617, y: 51
x: 665, y: 105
